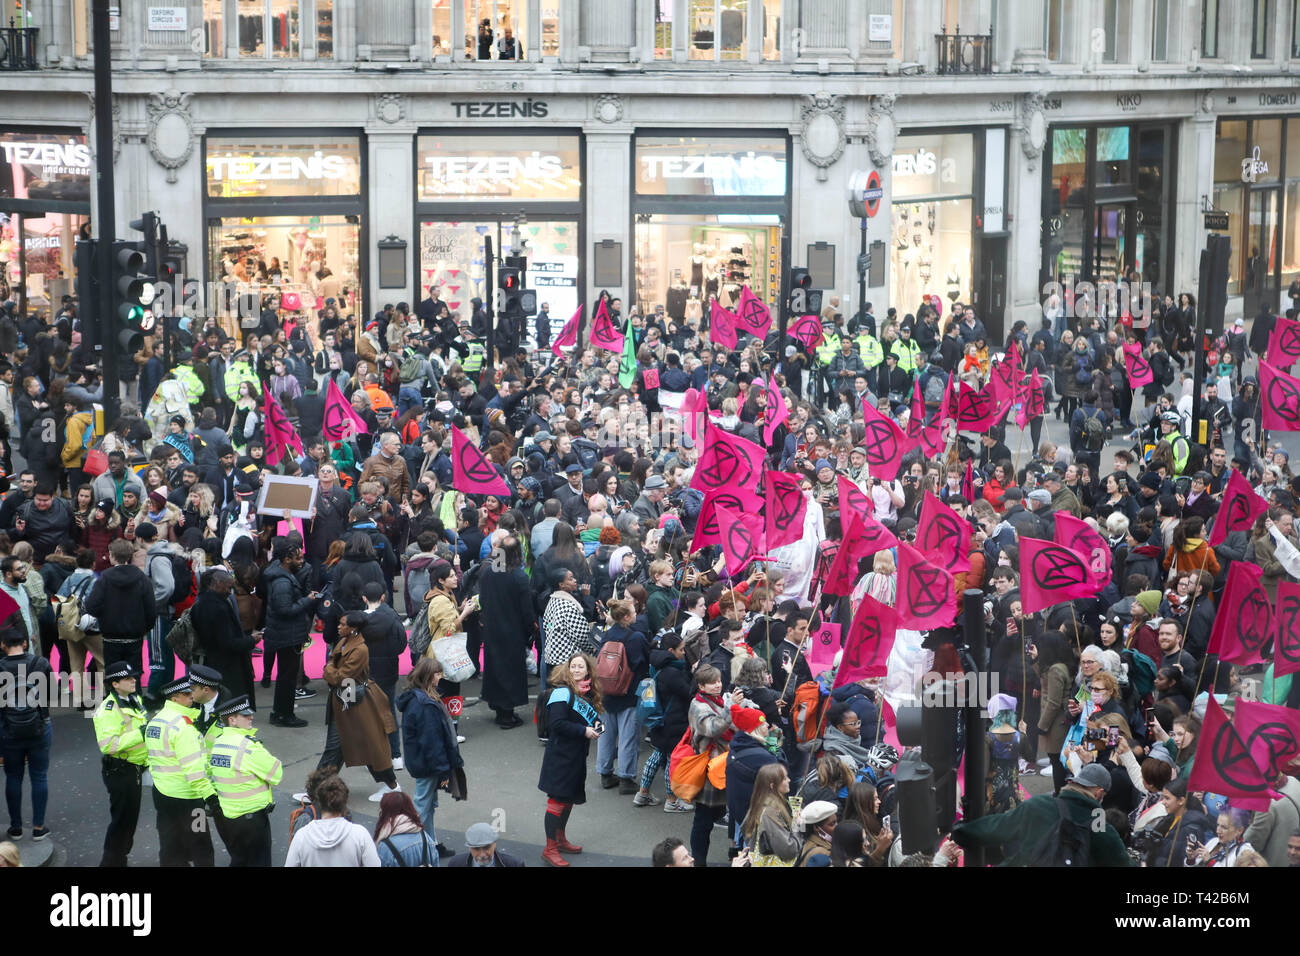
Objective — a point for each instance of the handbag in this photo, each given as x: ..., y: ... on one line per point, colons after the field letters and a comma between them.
x: 758, y: 858
x: 291, y: 301
x: 717, y: 771
x: 96, y: 462
x: 688, y: 771
x: 451, y: 653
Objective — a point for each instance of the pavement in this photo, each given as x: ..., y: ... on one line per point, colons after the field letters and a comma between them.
x: 501, y: 767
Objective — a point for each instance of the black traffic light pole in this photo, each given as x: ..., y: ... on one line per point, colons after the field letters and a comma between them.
x: 489, y: 297
x: 106, y: 216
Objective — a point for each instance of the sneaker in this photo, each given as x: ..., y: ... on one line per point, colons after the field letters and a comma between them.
x: 608, y: 781
x: 384, y: 791
x: 724, y: 822
x: 304, y: 693
x: 460, y: 739
x: 1044, y: 761
x: 1024, y: 765
x: 40, y: 833
x: 678, y: 806
x: 399, y: 763
x: 15, y: 833
x: 645, y: 800
x: 301, y: 797
x: 627, y: 787
x: 1045, y: 772
x: 278, y: 721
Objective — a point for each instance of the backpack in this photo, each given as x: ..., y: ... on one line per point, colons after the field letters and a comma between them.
x: 183, y: 639
x: 419, y: 638
x: 424, y: 850
x: 70, y: 610
x: 1167, y: 373
x: 806, y: 711
x: 410, y: 368
x: 648, y: 710
x: 1094, y: 433
x: 25, y: 721
x: 296, y: 812
x: 934, y: 389
x: 588, y: 453
x: 613, y: 676
x: 1066, y: 844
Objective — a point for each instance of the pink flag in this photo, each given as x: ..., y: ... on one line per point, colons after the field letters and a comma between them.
x: 727, y: 462
x: 341, y: 420
x: 807, y: 329
x: 776, y: 410
x: 722, y: 326
x: 863, y: 536
x: 471, y: 472
x: 1052, y: 574
x: 1138, y: 368
x: 8, y: 606
x: 871, y: 638
x: 1240, y: 509
x: 695, y: 407
x: 1286, y: 651
x: 884, y: 444
x: 1031, y: 401
x: 650, y: 378
x: 742, y: 501
x: 1279, y: 398
x: 603, y: 333
x: 1079, y: 537
x: 784, y: 509
x: 925, y: 592
x: 1244, y: 621
x: 1003, y: 378
x: 1223, y: 763
x: 1284, y: 343
x: 1271, y: 732
x: 823, y: 645
x: 977, y: 409
x: 916, y: 411
x: 943, y: 535
x: 741, y: 541
x: 568, y: 336
x: 281, y: 437
x: 853, y: 497
x: 752, y: 315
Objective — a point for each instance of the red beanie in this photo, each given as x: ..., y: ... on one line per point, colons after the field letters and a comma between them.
x: 746, y: 718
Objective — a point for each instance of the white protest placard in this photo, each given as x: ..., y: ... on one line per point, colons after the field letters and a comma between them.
x: 280, y: 493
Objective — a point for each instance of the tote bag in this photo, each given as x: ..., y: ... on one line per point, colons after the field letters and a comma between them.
x: 453, y: 656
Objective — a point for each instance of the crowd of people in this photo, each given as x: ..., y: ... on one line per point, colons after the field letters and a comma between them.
x: 134, y: 547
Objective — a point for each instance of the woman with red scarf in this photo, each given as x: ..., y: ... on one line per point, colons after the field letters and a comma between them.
x: 711, y: 729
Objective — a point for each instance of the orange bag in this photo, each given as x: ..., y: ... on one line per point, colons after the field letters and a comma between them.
x: 717, y: 772
x: 687, y: 769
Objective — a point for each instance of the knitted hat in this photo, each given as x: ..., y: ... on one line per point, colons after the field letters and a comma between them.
x: 1149, y: 601
x: 746, y: 718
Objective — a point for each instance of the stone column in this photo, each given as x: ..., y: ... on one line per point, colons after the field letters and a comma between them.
x: 606, y: 30
x: 608, y: 199
x: 391, y: 195
x: 1027, y: 29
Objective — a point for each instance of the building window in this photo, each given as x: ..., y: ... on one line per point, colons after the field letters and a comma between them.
x: 1295, y: 29
x: 718, y: 29
x: 550, y: 28
x: 664, y: 29
x: 495, y: 29
x: 1210, y: 29
x: 1117, y: 28
x: 442, y: 27
x: 269, y: 28
x: 1054, y: 27
x: 1259, y: 30
x: 771, y: 29
x: 213, y: 36
x: 324, y: 29
x: 1160, y: 30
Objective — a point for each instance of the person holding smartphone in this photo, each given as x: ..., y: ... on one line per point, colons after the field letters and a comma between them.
x: 572, y: 722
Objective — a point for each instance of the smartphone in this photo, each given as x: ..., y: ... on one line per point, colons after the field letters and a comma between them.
x: 1112, y: 738
x: 599, y: 727
x: 1148, y: 715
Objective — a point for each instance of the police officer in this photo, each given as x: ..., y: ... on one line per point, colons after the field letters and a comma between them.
x: 181, y: 787
x: 119, y: 730
x: 1171, y: 430
x: 206, y: 682
x: 243, y: 772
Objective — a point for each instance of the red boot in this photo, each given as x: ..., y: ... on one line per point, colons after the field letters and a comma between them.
x: 552, y: 856
x: 564, y: 845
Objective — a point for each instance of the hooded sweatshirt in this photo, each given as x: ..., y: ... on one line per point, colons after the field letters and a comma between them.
x: 332, y: 842
x: 1196, y: 555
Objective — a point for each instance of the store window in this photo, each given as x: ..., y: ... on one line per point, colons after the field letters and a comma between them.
x: 1160, y: 30
x: 268, y: 28
x: 710, y: 215
x: 1230, y: 146
x: 1260, y: 38
x: 497, y: 29
x: 484, y: 169
x: 550, y: 28
x: 1295, y: 29
x: 36, y: 257
x: 717, y: 29
x: 285, y: 214
x: 252, y: 167
x: 931, y: 218
x: 44, y: 166
x: 1056, y: 15
x: 1291, y: 200
x: 324, y: 29
x: 771, y: 29
x: 213, y: 37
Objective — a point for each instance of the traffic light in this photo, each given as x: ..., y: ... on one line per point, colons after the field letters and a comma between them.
x: 804, y: 299
x: 515, y: 299
x: 135, y: 284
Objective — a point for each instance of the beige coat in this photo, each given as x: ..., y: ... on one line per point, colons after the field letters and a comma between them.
x: 365, y: 725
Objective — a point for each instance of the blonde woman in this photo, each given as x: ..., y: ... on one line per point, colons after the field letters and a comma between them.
x: 881, y: 582
x: 768, y: 829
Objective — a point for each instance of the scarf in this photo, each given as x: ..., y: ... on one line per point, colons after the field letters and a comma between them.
x: 838, y: 742
x: 398, y: 825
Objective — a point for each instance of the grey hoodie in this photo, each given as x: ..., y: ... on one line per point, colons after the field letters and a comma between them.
x: 332, y: 842
x: 160, y: 572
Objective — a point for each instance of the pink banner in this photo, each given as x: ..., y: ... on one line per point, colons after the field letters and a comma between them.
x: 471, y: 472
x: 722, y: 326
x: 603, y: 333
x: 568, y: 336
x: 1052, y: 574
x: 281, y: 437
x: 925, y: 592
x: 741, y: 541
x: 650, y: 378
x: 871, y: 638
x: 1279, y: 399
x: 341, y: 421
x: 943, y: 535
x: 776, y: 410
x: 823, y: 645
x: 727, y: 461
x: 784, y: 509
x: 1138, y: 368
x: 1083, y: 539
x: 752, y: 315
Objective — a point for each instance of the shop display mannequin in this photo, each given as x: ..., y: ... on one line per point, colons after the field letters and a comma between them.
x: 913, y: 267
x: 697, y: 265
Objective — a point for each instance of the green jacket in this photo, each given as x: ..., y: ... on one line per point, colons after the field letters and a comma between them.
x: 658, y: 605
x: 1020, y: 831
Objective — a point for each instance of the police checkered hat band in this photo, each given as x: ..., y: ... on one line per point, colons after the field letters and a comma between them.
x: 236, y: 705
x: 206, y: 676
x: 119, y: 669
x: 178, y: 686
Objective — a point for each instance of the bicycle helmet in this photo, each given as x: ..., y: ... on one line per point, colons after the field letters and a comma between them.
x: 882, y: 757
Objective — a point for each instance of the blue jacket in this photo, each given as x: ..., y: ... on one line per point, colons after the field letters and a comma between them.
x: 428, y: 737
x: 409, y: 848
x: 746, y: 756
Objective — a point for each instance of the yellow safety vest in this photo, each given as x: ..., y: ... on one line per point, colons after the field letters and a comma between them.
x: 190, y: 379
x: 870, y: 350
x: 1182, y: 451
x: 471, y: 364
x: 829, y: 348
x: 243, y: 771
x: 236, y: 373
x: 176, y: 754
x: 119, y: 729
x: 908, y: 352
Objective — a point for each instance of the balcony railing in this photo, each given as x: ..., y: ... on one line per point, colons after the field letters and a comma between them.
x: 18, y: 47
x: 964, y: 52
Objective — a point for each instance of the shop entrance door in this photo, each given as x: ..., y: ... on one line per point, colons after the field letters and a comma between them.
x: 1111, y: 241
x: 1261, y: 289
x: 991, y: 296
